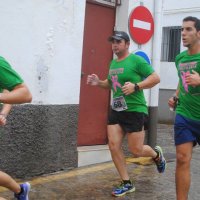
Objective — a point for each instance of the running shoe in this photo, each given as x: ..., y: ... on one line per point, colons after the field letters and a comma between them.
x: 25, y: 190
x: 122, y: 189
x: 160, y: 161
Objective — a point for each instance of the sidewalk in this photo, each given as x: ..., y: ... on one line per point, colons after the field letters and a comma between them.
x: 96, y: 181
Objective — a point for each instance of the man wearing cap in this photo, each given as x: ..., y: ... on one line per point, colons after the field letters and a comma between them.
x: 128, y: 75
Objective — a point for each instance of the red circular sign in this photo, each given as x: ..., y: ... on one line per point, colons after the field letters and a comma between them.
x: 141, y: 25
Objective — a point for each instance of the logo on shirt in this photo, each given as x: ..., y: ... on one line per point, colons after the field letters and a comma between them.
x: 115, y: 82
x: 114, y: 77
x: 187, y: 66
x: 185, y: 69
x: 116, y: 71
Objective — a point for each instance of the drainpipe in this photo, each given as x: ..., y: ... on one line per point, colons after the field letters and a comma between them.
x: 156, y: 54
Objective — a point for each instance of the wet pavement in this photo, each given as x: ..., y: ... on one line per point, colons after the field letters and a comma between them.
x: 95, y: 182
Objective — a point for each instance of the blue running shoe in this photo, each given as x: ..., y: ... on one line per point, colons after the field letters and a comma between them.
x: 160, y: 161
x: 25, y: 190
x: 122, y: 189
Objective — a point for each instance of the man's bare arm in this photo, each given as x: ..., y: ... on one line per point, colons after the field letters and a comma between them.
x: 94, y: 80
x: 20, y: 94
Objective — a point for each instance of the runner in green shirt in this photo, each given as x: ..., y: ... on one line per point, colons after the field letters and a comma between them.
x: 128, y: 75
x: 12, y: 91
x: 133, y: 68
x: 187, y: 120
x: 189, y: 95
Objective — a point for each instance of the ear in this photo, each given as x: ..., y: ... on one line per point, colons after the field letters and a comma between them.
x: 198, y: 34
x: 128, y: 44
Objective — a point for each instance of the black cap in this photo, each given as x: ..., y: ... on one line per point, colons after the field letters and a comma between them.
x: 119, y: 35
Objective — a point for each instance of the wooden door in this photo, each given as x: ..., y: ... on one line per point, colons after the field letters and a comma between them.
x: 97, y: 54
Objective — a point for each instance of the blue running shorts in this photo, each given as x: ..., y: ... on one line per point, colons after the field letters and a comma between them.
x: 186, y: 130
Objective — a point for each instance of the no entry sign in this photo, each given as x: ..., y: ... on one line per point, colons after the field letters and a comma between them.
x: 141, y: 25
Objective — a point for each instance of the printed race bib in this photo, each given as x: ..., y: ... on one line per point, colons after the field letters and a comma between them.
x: 119, y: 104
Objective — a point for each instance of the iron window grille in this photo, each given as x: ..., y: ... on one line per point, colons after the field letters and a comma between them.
x: 171, y: 40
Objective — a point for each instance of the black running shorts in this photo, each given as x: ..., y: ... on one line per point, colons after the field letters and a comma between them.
x: 129, y: 121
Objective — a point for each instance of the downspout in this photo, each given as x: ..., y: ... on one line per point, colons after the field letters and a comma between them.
x: 156, y: 54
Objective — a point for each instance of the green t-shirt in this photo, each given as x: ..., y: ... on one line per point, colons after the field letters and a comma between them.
x: 132, y: 69
x: 189, y: 96
x: 8, y: 77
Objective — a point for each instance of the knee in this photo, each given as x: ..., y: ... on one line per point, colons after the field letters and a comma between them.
x: 113, y: 146
x: 136, y: 151
x: 183, y: 159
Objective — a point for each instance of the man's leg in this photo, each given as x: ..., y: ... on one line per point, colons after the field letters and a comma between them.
x: 8, y: 182
x: 115, y: 138
x: 20, y: 191
x: 137, y: 147
x: 183, y: 159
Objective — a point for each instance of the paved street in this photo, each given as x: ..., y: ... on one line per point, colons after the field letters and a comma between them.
x: 96, y: 181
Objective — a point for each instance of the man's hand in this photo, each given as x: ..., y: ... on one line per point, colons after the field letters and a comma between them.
x: 193, y: 79
x: 172, y: 102
x: 128, y: 88
x: 93, y: 79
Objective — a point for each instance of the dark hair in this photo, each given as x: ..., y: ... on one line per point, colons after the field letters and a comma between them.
x: 195, y: 20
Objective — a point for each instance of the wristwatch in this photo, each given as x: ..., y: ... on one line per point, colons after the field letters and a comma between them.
x: 136, y: 87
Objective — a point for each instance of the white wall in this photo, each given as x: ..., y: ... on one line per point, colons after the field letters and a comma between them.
x: 175, y: 11
x: 169, y: 77
x: 42, y: 40
x: 173, y: 5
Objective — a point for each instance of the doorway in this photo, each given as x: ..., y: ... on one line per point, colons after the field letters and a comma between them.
x: 97, y: 54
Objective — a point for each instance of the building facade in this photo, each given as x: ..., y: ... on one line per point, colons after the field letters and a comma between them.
x: 54, y: 45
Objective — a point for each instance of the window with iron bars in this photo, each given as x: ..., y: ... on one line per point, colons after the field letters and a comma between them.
x: 171, y: 40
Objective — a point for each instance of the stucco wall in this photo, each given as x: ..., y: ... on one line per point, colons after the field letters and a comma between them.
x: 39, y: 140
x: 43, y: 41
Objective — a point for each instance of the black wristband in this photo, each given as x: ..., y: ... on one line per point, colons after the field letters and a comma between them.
x: 136, y: 87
